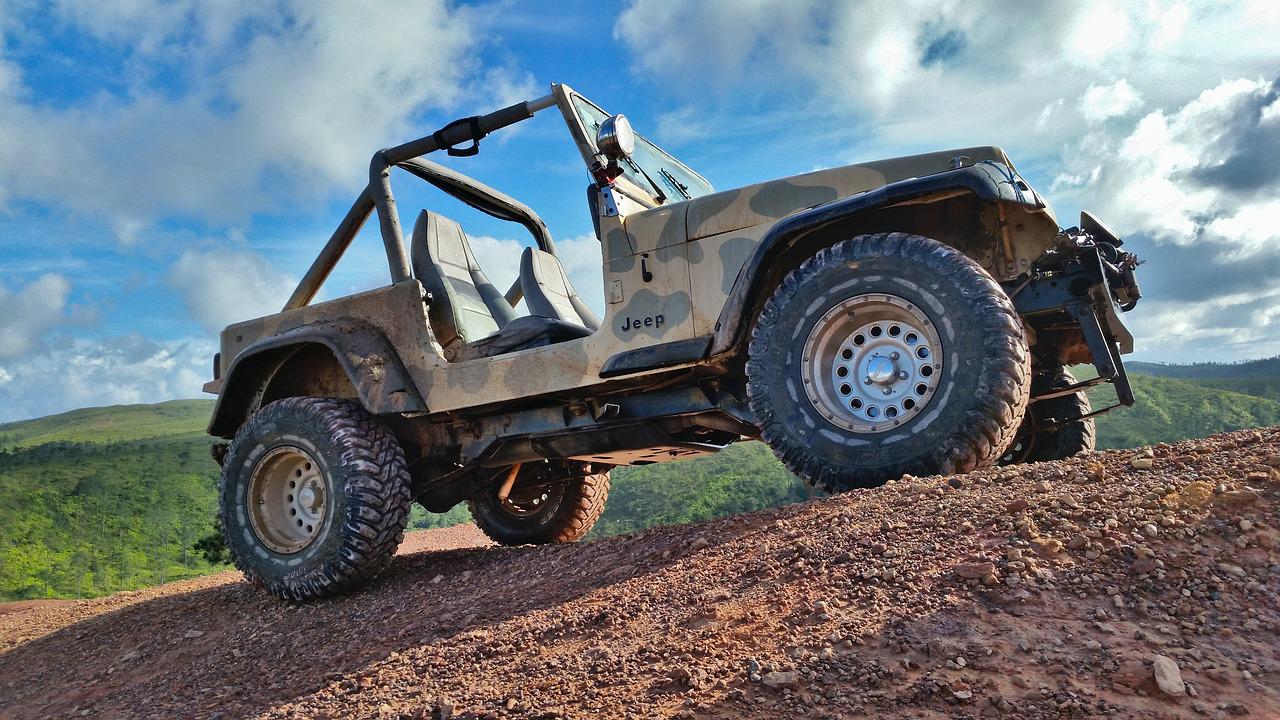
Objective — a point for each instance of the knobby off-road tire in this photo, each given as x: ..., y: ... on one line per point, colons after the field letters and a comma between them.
x: 1061, y: 442
x: 314, y: 497
x: 959, y: 322
x: 560, y: 511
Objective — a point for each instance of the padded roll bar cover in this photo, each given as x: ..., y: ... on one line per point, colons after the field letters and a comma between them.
x: 548, y: 293
x: 465, y: 306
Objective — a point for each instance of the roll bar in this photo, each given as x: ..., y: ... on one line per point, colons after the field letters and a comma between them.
x: 377, y: 194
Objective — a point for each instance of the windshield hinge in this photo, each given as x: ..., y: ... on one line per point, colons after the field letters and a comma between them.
x: 609, y: 202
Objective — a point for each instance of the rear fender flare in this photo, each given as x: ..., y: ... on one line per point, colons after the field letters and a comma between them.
x: 735, y: 320
x: 372, y: 367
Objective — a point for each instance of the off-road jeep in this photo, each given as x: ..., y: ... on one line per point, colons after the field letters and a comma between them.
x: 913, y: 315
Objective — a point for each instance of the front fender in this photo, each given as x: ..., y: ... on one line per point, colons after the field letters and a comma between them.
x: 371, y: 364
x: 986, y: 182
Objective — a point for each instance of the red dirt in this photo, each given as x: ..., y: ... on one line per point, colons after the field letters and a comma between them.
x: 24, y: 605
x: 1039, y: 591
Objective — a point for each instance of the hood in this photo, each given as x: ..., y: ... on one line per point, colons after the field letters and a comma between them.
x: 770, y: 201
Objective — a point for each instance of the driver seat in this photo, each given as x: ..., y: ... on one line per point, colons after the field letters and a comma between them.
x: 469, y: 316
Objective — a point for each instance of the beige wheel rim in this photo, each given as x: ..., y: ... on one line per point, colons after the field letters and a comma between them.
x: 287, y: 499
x: 872, y: 363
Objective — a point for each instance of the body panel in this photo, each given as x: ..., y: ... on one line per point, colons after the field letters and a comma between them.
x: 768, y: 201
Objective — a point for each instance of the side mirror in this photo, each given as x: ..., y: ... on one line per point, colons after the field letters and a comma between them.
x: 615, y: 139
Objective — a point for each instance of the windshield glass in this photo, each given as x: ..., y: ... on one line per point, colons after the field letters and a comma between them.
x: 649, y: 167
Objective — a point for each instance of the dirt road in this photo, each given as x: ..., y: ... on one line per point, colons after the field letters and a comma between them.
x: 1119, y: 584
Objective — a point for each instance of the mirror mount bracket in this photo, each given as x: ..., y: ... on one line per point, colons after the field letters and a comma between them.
x: 605, y: 173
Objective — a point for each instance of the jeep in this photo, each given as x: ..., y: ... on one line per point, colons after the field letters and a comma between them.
x: 915, y: 315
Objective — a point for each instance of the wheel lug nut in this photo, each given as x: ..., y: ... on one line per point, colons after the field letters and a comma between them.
x: 893, y: 356
x: 866, y: 380
x: 902, y: 374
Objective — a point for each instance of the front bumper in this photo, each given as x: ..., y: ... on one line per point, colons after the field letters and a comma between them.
x: 1072, y: 300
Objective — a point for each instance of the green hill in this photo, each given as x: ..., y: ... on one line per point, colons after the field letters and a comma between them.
x: 1169, y: 410
x: 1260, y: 378
x: 106, y: 499
x: 1265, y: 368
x: 121, y: 423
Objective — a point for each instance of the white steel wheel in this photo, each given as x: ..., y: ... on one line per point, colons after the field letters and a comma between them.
x: 287, y: 499
x: 314, y: 497
x: 871, y: 363
x: 883, y: 355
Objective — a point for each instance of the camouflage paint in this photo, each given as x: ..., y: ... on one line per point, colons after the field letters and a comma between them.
x: 693, y: 252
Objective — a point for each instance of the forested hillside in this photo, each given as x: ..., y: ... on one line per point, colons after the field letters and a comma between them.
x: 107, y: 499
x: 1169, y: 410
x: 1265, y: 368
x: 81, y: 519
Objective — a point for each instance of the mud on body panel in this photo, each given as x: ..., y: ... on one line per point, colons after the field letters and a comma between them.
x: 719, y: 259
x: 655, y: 306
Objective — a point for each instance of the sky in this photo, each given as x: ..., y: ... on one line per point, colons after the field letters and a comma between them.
x: 170, y: 167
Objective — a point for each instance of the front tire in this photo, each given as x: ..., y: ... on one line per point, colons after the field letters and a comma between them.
x: 884, y: 355
x: 545, y: 506
x: 1067, y: 440
x: 314, y: 497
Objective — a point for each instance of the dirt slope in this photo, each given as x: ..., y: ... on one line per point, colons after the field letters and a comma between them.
x: 1038, y: 591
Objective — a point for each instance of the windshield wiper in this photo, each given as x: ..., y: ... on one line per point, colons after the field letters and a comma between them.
x: 684, y: 189
x: 660, y: 196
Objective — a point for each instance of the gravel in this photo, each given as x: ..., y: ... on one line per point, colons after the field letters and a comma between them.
x: 1021, y: 592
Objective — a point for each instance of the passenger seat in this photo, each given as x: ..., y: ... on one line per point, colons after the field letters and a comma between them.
x: 547, y: 291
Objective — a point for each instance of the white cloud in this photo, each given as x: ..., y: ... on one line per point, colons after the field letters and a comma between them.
x: 29, y: 313
x: 498, y: 257
x: 938, y: 73
x: 1156, y: 177
x: 582, y: 262
x: 220, y: 286
x: 1170, y: 24
x: 1101, y: 28
x: 682, y: 125
x: 233, y: 107
x: 1048, y: 113
x: 1102, y: 102
x: 112, y: 371
x: 1251, y: 227
x: 5, y: 376
x: 1236, y: 325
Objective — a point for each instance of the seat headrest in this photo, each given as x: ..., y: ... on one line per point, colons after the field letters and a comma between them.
x: 548, y: 292
x: 465, y: 306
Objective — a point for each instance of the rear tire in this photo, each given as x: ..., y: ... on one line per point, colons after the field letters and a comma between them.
x: 884, y: 355
x: 538, y: 511
x: 314, y: 497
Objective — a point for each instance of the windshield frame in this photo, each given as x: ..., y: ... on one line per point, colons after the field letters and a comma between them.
x: 632, y: 183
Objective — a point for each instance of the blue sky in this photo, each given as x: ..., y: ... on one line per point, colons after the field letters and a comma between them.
x: 169, y: 167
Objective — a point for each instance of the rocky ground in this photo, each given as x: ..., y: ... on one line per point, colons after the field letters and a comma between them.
x: 1123, y: 584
